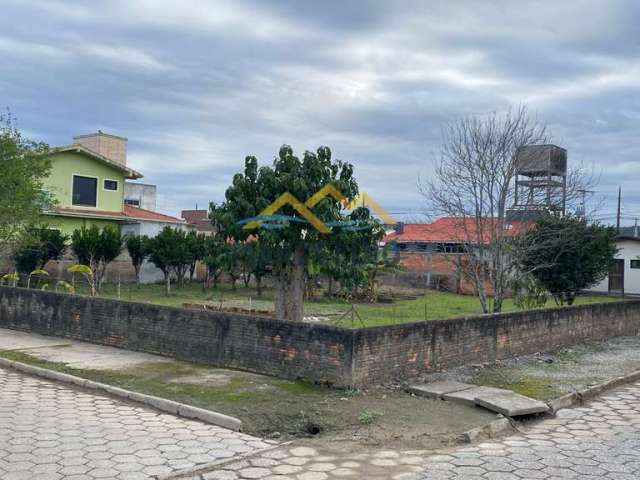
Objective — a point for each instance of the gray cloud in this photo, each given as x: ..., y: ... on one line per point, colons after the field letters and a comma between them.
x: 197, y: 85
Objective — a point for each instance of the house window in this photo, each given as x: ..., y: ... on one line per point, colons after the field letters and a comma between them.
x: 85, y: 191
x: 132, y: 201
x: 111, y: 185
x: 635, y: 263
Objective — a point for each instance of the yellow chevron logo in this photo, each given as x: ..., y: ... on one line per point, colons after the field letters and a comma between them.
x: 302, y: 208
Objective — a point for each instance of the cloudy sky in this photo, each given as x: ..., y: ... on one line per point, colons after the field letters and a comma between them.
x: 196, y: 85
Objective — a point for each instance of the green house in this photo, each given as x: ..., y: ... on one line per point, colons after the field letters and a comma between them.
x: 87, y: 180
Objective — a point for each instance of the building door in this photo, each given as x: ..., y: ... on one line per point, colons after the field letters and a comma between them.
x: 616, y: 276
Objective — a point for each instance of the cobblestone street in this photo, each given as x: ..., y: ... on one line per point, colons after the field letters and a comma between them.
x: 599, y: 441
x: 50, y: 431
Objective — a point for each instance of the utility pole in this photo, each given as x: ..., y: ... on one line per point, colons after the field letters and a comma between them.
x: 618, y: 212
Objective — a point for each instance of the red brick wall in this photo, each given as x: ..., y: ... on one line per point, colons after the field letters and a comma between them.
x: 318, y: 353
x: 383, y: 354
x: 449, y: 264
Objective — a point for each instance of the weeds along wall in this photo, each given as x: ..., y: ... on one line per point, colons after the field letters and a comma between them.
x: 317, y: 353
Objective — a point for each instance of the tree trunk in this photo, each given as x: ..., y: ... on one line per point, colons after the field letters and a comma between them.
x: 167, y: 282
x: 259, y: 285
x: 95, y: 277
x: 207, y: 280
x: 289, y: 289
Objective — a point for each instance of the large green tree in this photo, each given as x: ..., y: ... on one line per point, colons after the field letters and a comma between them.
x: 566, y: 254
x: 291, y: 242
x: 24, y: 165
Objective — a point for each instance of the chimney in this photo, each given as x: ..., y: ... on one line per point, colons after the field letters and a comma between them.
x: 109, y: 146
x: 399, y: 228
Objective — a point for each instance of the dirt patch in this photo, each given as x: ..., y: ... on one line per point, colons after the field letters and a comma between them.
x: 275, y: 408
x: 374, y: 418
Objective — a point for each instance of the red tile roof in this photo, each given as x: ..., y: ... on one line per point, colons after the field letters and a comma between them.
x: 445, y: 229
x: 88, y: 213
x: 199, y: 218
x: 129, y: 213
x: 142, y: 214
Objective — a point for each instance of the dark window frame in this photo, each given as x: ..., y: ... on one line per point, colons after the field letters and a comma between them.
x: 112, y: 182
x: 81, y: 202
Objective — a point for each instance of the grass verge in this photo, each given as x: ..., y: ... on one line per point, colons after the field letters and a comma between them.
x: 429, y: 304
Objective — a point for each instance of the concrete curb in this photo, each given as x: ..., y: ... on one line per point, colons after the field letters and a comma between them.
x: 490, y: 430
x: 162, y: 404
x: 206, y: 467
x: 581, y: 396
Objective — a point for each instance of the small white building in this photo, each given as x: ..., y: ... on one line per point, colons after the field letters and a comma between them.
x: 140, y: 195
x: 149, y: 223
x: 624, y: 275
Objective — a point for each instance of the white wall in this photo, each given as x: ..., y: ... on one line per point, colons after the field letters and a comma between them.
x: 145, y: 194
x: 628, y: 250
x: 149, y: 273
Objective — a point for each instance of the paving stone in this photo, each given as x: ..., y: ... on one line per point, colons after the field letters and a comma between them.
x: 598, y: 441
x: 438, y: 389
x: 510, y: 404
x: 566, y: 447
x: 55, y: 431
x: 468, y: 396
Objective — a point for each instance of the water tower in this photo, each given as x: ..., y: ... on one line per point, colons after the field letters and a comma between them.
x: 541, y: 181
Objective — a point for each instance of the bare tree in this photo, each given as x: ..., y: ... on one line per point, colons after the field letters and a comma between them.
x: 472, y: 183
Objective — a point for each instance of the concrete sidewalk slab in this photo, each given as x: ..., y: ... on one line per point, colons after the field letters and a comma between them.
x: 74, y: 353
x: 510, y: 404
x: 438, y: 389
x: 14, y: 340
x: 468, y: 396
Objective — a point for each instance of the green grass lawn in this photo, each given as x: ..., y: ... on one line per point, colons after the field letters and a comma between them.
x: 431, y: 305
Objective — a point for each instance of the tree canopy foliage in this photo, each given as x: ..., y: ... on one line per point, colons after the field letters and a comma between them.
x: 96, y: 248
x: 38, y: 246
x: 566, y: 254
x: 293, y: 247
x: 138, y: 249
x: 24, y: 165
